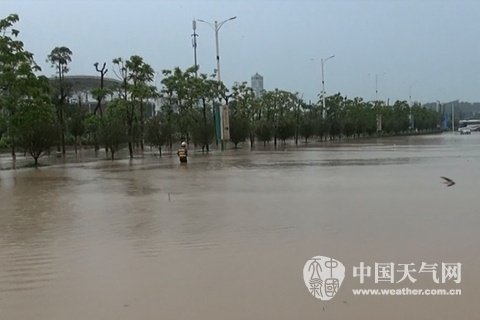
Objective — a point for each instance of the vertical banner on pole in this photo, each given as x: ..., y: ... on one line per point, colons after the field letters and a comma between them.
x: 379, y: 122
x: 225, y: 123
x: 218, y: 124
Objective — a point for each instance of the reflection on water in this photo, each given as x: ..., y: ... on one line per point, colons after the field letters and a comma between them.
x: 227, y: 236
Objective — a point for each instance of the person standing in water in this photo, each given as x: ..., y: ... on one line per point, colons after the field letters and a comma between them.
x: 182, y: 153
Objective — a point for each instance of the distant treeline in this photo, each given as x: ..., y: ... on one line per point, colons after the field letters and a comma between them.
x: 38, y: 114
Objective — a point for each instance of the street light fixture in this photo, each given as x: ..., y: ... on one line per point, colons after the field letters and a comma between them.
x: 216, y: 27
x: 324, y: 113
x: 223, y: 123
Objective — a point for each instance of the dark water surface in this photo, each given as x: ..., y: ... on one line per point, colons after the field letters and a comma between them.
x: 227, y: 236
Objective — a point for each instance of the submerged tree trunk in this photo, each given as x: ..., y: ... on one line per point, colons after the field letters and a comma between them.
x: 13, y: 149
x: 96, y: 144
x: 130, y: 149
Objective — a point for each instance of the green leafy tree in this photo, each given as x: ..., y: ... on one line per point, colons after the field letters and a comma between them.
x: 183, y: 91
x: 243, y: 114
x: 270, y: 106
x: 285, y: 122
x: 18, y: 81
x: 140, y: 76
x: 254, y: 115
x: 92, y: 124
x: 207, y: 91
x: 239, y: 125
x: 157, y: 132
x: 169, y: 123
x: 128, y: 108
x: 203, y: 133
x: 264, y: 131
x: 101, y: 92
x: 308, y: 122
x: 335, y: 115
x: 113, y: 129
x: 425, y: 119
x: 135, y: 89
x: 323, y: 128
x: 59, y: 59
x: 298, y: 106
x: 401, y: 112
x: 286, y: 128
x: 34, y: 122
x: 76, y: 125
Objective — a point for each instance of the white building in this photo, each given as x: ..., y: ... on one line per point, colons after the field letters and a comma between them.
x: 257, y: 85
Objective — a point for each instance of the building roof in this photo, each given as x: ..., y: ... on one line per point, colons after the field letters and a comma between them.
x: 87, y: 83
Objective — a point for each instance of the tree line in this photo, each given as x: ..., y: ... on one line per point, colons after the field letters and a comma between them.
x: 38, y: 114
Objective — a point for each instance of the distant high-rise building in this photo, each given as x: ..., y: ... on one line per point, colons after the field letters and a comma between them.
x: 257, y: 85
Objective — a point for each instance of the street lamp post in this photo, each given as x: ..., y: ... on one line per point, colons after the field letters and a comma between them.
x: 324, y: 113
x: 216, y: 27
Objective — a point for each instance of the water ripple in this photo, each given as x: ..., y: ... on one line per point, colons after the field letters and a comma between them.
x: 23, y: 269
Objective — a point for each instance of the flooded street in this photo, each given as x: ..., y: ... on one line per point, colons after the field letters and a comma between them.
x: 228, y: 235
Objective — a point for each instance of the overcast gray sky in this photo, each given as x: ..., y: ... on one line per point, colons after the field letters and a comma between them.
x: 427, y: 49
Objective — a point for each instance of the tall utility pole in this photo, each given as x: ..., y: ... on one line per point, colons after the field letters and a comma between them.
x: 324, y: 113
x: 216, y: 27
x: 194, y: 44
x: 223, y: 123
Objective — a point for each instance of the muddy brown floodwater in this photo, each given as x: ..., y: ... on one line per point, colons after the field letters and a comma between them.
x: 227, y: 236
